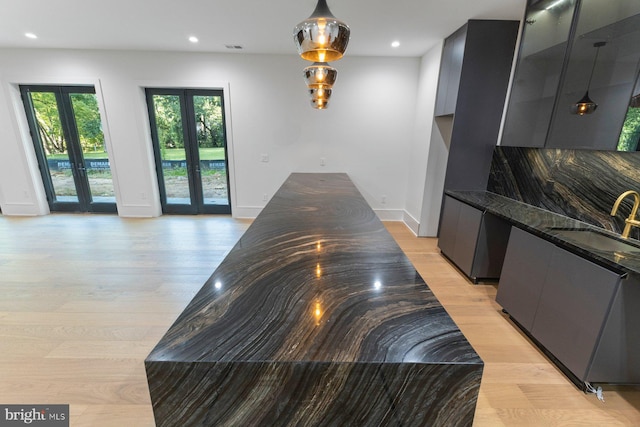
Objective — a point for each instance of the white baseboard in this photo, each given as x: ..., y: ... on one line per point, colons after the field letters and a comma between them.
x: 137, y: 211
x: 389, y: 214
x: 250, y: 212
x: 22, y: 209
x: 411, y: 222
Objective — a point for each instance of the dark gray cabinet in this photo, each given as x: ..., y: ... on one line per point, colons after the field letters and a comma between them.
x: 474, y: 76
x: 523, y: 276
x: 475, y: 241
x: 574, y: 304
x: 563, y: 300
x: 449, y: 226
x: 451, y: 69
x: 617, y: 357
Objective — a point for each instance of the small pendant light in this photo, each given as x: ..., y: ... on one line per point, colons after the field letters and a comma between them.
x: 586, y: 105
x: 321, y: 37
x: 320, y: 98
x: 320, y: 74
x: 320, y: 78
x: 319, y: 103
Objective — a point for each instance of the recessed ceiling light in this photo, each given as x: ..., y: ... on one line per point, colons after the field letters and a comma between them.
x: 395, y: 44
x: 30, y: 35
x: 193, y: 39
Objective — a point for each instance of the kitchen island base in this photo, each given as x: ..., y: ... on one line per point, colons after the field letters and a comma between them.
x: 315, y: 318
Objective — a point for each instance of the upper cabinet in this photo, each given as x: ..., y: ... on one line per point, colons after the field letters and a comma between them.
x: 451, y: 68
x: 571, y: 49
x: 472, y: 87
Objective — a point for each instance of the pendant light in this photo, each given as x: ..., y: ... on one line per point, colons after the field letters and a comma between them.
x: 586, y: 105
x: 320, y: 74
x: 320, y: 78
x: 321, y: 37
x: 319, y: 103
x: 320, y: 98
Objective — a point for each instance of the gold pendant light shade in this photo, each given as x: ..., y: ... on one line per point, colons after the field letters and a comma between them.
x: 320, y: 93
x: 321, y: 37
x: 320, y: 74
x: 319, y: 103
x: 320, y: 78
x: 320, y: 97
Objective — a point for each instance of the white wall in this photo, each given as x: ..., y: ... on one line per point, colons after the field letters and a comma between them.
x: 368, y: 131
x: 427, y: 165
x: 437, y: 156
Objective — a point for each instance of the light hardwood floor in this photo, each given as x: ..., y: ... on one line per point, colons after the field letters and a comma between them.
x: 84, y: 298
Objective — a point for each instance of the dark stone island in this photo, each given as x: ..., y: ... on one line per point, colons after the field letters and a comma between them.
x: 315, y: 318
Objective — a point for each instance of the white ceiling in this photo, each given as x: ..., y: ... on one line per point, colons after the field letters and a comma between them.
x: 260, y: 26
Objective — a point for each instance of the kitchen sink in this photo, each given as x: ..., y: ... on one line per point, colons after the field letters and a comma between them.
x: 596, y: 240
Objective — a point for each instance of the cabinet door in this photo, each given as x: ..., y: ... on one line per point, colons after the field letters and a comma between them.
x: 443, y: 79
x: 450, y: 71
x: 491, y: 246
x: 454, y: 69
x: 449, y: 226
x: 467, y: 237
x: 523, y: 276
x: 617, y: 357
x: 573, y: 307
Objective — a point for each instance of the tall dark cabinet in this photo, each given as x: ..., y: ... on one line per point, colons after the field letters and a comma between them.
x: 472, y: 87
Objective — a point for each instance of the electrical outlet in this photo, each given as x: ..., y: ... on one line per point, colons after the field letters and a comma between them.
x: 264, y: 158
x: 264, y: 197
x: 383, y: 199
x: 322, y: 161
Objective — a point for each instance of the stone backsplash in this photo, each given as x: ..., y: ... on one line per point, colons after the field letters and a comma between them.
x: 581, y: 184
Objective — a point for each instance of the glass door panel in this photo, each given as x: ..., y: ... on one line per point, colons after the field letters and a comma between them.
x: 188, y: 132
x: 54, y: 146
x: 211, y: 149
x: 96, y: 165
x: 170, y: 132
x: 545, y: 38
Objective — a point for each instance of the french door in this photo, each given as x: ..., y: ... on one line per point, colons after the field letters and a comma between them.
x: 66, y: 130
x: 189, y: 140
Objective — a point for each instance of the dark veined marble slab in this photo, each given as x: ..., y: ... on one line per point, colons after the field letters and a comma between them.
x: 315, y: 318
x: 581, y: 184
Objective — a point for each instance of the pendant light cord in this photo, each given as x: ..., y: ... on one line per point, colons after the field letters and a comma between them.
x: 597, y: 45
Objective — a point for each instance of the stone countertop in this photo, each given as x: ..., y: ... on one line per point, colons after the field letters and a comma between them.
x: 315, y: 314
x: 315, y: 277
x: 551, y: 226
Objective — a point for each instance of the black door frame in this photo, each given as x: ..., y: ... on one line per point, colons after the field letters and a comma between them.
x: 74, y: 150
x: 187, y: 111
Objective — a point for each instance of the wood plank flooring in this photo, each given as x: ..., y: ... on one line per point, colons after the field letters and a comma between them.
x: 84, y: 298
x: 520, y: 387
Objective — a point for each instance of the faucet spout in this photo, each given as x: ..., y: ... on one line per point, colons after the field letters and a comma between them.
x: 631, y: 221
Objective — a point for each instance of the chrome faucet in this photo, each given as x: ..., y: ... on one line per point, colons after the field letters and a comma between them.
x: 631, y: 221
